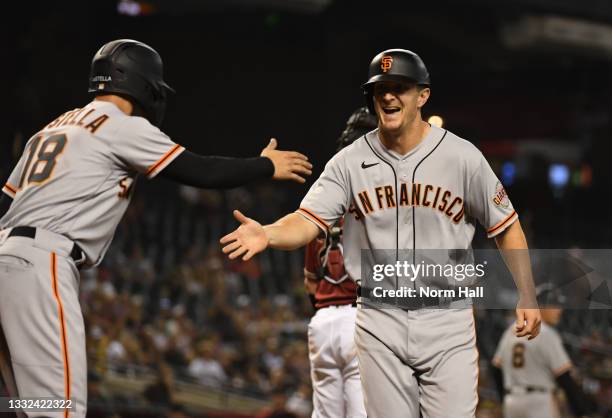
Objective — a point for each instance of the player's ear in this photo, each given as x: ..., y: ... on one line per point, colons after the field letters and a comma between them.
x: 424, y: 93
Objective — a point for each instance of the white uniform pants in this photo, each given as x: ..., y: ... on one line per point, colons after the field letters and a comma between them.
x: 333, y: 364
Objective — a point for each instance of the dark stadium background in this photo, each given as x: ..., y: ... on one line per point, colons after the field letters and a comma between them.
x: 248, y: 70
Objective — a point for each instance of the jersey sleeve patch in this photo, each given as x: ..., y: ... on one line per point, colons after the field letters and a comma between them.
x: 308, y: 214
x: 10, y: 190
x: 505, y: 223
x: 163, y: 162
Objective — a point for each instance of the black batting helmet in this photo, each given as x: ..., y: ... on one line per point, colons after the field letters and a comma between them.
x: 359, y: 123
x: 134, y: 69
x: 394, y: 65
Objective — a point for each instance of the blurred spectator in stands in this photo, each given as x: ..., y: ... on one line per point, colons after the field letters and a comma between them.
x: 273, y: 357
x: 161, y: 392
x: 300, y: 400
x: 205, y: 367
x: 115, y: 351
x: 278, y: 406
x: 253, y: 381
x: 223, y: 318
x: 97, y: 394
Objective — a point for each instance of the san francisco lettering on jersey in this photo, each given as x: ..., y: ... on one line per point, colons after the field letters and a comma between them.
x: 415, y: 194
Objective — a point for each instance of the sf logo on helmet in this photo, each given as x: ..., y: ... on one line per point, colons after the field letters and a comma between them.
x: 386, y: 63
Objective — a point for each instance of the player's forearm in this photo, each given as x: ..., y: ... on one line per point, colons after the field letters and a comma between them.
x: 217, y: 172
x: 290, y: 232
x: 515, y: 252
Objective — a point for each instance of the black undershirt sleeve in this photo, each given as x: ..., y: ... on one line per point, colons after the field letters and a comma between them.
x: 210, y: 172
x: 498, y: 378
x: 5, y: 204
x: 576, y: 398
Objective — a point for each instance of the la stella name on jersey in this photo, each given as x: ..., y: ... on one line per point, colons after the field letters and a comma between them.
x: 79, y: 117
x: 415, y: 194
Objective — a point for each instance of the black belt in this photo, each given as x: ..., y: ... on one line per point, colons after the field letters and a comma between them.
x: 529, y: 389
x: 353, y: 304
x: 337, y: 305
x: 30, y: 232
x: 410, y: 303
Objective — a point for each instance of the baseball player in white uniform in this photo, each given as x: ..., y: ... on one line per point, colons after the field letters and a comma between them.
x: 406, y: 185
x: 334, y: 370
x: 63, y: 201
x: 528, y: 372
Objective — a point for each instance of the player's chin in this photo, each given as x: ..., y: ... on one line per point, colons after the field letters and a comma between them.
x: 391, y: 125
x: 391, y: 121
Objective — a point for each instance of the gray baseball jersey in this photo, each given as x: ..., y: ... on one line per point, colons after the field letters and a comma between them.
x: 534, y: 363
x: 427, y: 199
x: 73, y: 183
x: 424, y: 362
x: 76, y: 175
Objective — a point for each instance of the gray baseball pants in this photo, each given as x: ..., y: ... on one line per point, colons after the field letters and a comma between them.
x: 418, y: 362
x: 42, y: 322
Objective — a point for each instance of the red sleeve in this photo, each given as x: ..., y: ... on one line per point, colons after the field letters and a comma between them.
x: 311, y: 259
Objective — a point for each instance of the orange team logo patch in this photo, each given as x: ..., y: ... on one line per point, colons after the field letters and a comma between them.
x: 386, y: 63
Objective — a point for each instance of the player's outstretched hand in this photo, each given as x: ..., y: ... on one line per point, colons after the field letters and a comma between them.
x: 288, y: 165
x: 527, y: 322
x: 247, y: 240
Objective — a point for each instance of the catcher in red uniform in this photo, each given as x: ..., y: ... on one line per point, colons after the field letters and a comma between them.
x: 333, y: 356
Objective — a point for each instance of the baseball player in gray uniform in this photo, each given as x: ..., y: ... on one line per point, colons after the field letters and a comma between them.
x: 64, y: 199
x: 406, y: 185
x: 528, y: 372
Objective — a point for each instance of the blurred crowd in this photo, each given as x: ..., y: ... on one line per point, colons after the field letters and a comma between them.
x: 176, y: 306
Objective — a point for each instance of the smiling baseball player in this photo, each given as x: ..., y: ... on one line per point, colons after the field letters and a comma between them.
x: 64, y: 199
x: 411, y: 186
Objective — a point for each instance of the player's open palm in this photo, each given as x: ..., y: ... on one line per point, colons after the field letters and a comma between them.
x: 288, y: 165
x: 247, y: 240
